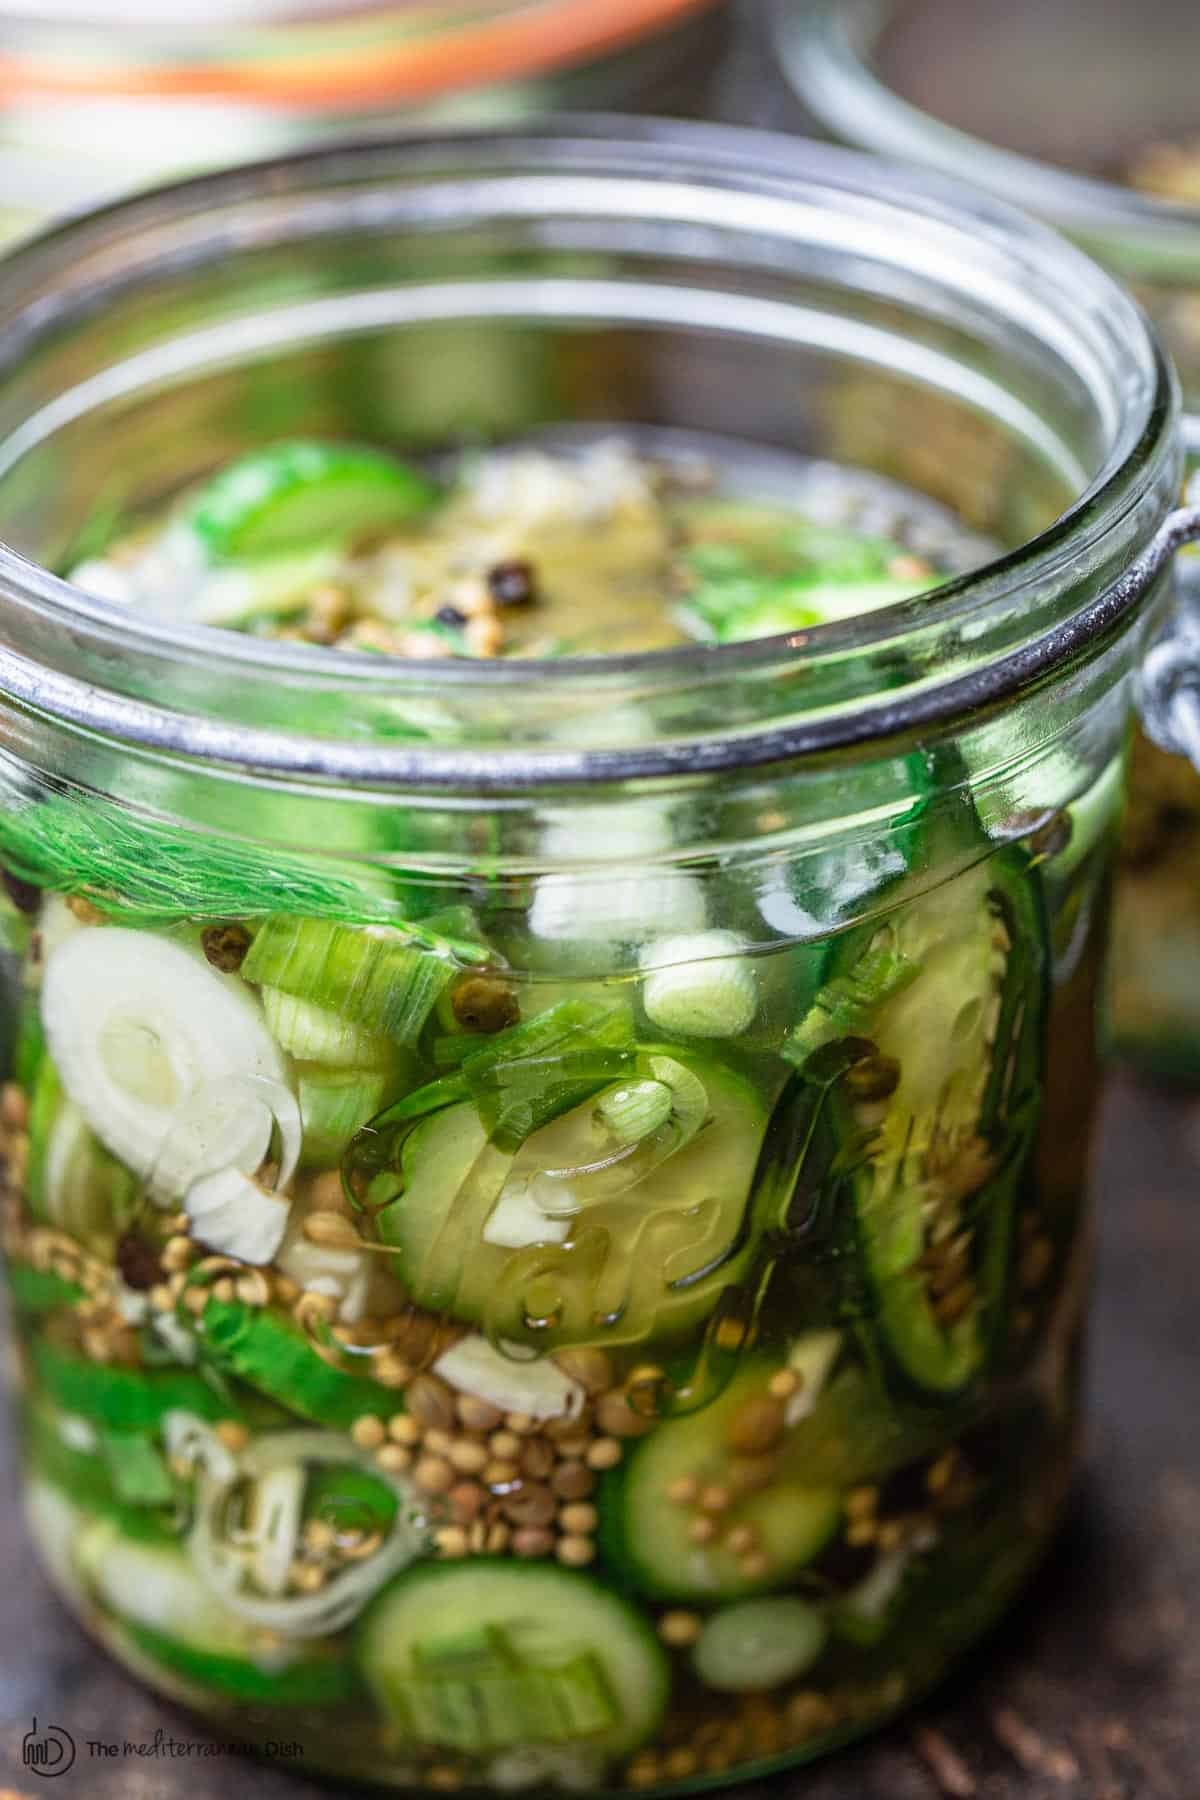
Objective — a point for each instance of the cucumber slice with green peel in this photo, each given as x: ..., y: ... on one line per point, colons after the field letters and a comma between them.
x: 140, y: 1029
x: 140, y: 1476
x: 635, y: 1263
x: 73, y: 1183
x: 315, y: 1034
x: 55, y: 1523
x: 932, y: 1127
x: 857, y: 1434
x: 270, y: 1353
x: 335, y: 1104
x: 755, y: 572
x: 377, y: 977
x: 122, y: 1399
x: 56, y: 1444
x: 646, y: 1535
x: 156, y: 1586
x: 495, y: 1655
x: 33, y: 1290
x: 759, y: 1644
x: 782, y: 606
x: 311, y: 1680
x: 285, y: 496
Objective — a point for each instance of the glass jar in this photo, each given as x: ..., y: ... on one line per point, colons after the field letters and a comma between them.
x: 99, y: 99
x: 546, y: 1214
x: 1076, y: 112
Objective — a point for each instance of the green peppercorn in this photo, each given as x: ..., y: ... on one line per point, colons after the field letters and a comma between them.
x: 484, y: 1003
x: 225, y: 946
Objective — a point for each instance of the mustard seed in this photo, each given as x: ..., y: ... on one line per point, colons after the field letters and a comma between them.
x: 680, y: 1629
x: 478, y: 1415
x: 468, y: 1457
x: 433, y: 1475
x: 533, y: 1541
x: 573, y: 1481
x: 576, y: 1552
x: 604, y: 1453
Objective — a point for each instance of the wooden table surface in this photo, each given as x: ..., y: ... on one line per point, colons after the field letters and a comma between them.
x: 1090, y: 1693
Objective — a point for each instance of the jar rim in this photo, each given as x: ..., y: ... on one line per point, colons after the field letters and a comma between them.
x: 716, y: 159
x: 817, y: 51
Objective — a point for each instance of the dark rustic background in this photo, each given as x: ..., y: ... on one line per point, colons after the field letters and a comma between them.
x: 1090, y: 1693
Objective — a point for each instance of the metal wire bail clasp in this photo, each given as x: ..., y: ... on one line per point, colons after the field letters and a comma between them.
x: 1169, y: 682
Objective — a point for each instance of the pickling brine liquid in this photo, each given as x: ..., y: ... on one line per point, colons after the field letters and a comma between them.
x: 604, y: 1327
x: 496, y: 1381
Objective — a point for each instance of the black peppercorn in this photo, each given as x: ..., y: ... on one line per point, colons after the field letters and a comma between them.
x: 450, y: 615
x: 139, y: 1263
x: 512, y: 584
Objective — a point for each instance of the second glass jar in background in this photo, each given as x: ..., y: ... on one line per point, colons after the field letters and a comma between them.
x: 1086, y: 116
x: 100, y: 100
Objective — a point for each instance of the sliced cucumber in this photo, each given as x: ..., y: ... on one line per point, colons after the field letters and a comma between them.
x: 122, y: 1399
x: 140, y: 1027
x: 754, y: 576
x: 315, y: 1679
x: 33, y: 1290
x: 647, y: 1535
x: 156, y: 1595
x: 490, y: 1656
x: 335, y: 1104
x: 649, y: 1261
x: 120, y: 1475
x: 376, y: 977
x: 73, y: 1182
x: 286, y: 496
x: 783, y: 606
x: 266, y: 1350
x: 155, y: 1585
x: 857, y: 1433
x: 933, y: 1125
x: 56, y: 1523
x: 759, y: 1644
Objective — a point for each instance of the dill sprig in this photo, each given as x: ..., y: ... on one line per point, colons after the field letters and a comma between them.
x: 139, y: 872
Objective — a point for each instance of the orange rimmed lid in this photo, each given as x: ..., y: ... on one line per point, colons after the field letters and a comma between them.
x: 316, y: 58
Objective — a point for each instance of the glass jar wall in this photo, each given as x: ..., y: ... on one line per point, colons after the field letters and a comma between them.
x: 545, y: 1201
x: 1086, y: 115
